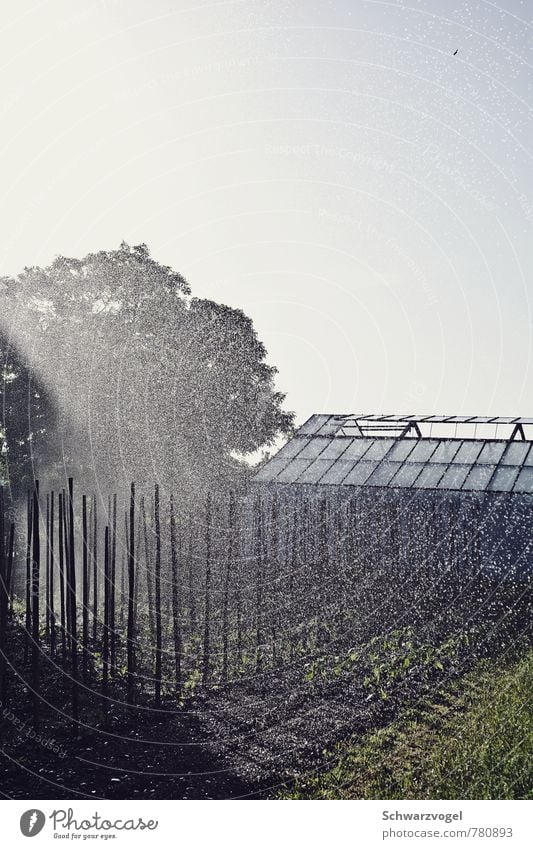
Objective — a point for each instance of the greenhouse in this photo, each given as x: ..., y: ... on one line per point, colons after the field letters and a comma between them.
x: 449, y: 489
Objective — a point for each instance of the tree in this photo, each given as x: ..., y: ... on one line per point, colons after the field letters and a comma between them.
x: 137, y: 378
x: 27, y: 416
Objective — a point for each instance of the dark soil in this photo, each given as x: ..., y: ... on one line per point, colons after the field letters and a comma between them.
x: 148, y: 755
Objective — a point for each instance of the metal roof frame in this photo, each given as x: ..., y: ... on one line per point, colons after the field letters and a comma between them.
x: 383, y: 417
x: 376, y: 454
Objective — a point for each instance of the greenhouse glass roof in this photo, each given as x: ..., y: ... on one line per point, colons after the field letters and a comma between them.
x: 358, y: 451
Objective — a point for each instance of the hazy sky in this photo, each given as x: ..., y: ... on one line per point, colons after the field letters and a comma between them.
x: 328, y: 166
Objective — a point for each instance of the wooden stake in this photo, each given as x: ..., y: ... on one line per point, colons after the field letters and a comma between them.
x: 85, y: 591
x: 35, y: 646
x: 192, y: 600
x: 68, y: 607
x: 158, y: 642
x: 105, y: 648
x: 207, y: 604
x: 95, y: 570
x: 176, y: 612
x: 229, y: 567
x: 73, y: 611
x: 8, y: 584
x: 52, y: 579
x: 148, y: 572
x: 61, y: 507
x: 4, y: 594
x: 131, y: 590
x: 47, y: 570
x: 112, y: 588
x: 29, y: 532
x: 259, y: 586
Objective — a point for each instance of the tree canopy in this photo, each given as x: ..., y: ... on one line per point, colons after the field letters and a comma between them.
x: 112, y: 368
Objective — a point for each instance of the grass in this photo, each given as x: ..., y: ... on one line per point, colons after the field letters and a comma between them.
x: 473, y: 740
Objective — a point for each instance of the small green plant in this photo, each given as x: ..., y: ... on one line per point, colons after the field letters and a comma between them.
x: 192, y: 681
x: 387, y: 660
x: 472, y: 740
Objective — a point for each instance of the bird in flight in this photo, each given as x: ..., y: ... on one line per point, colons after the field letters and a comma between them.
x: 456, y: 52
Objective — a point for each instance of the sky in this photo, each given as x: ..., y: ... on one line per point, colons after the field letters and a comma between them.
x: 329, y: 167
